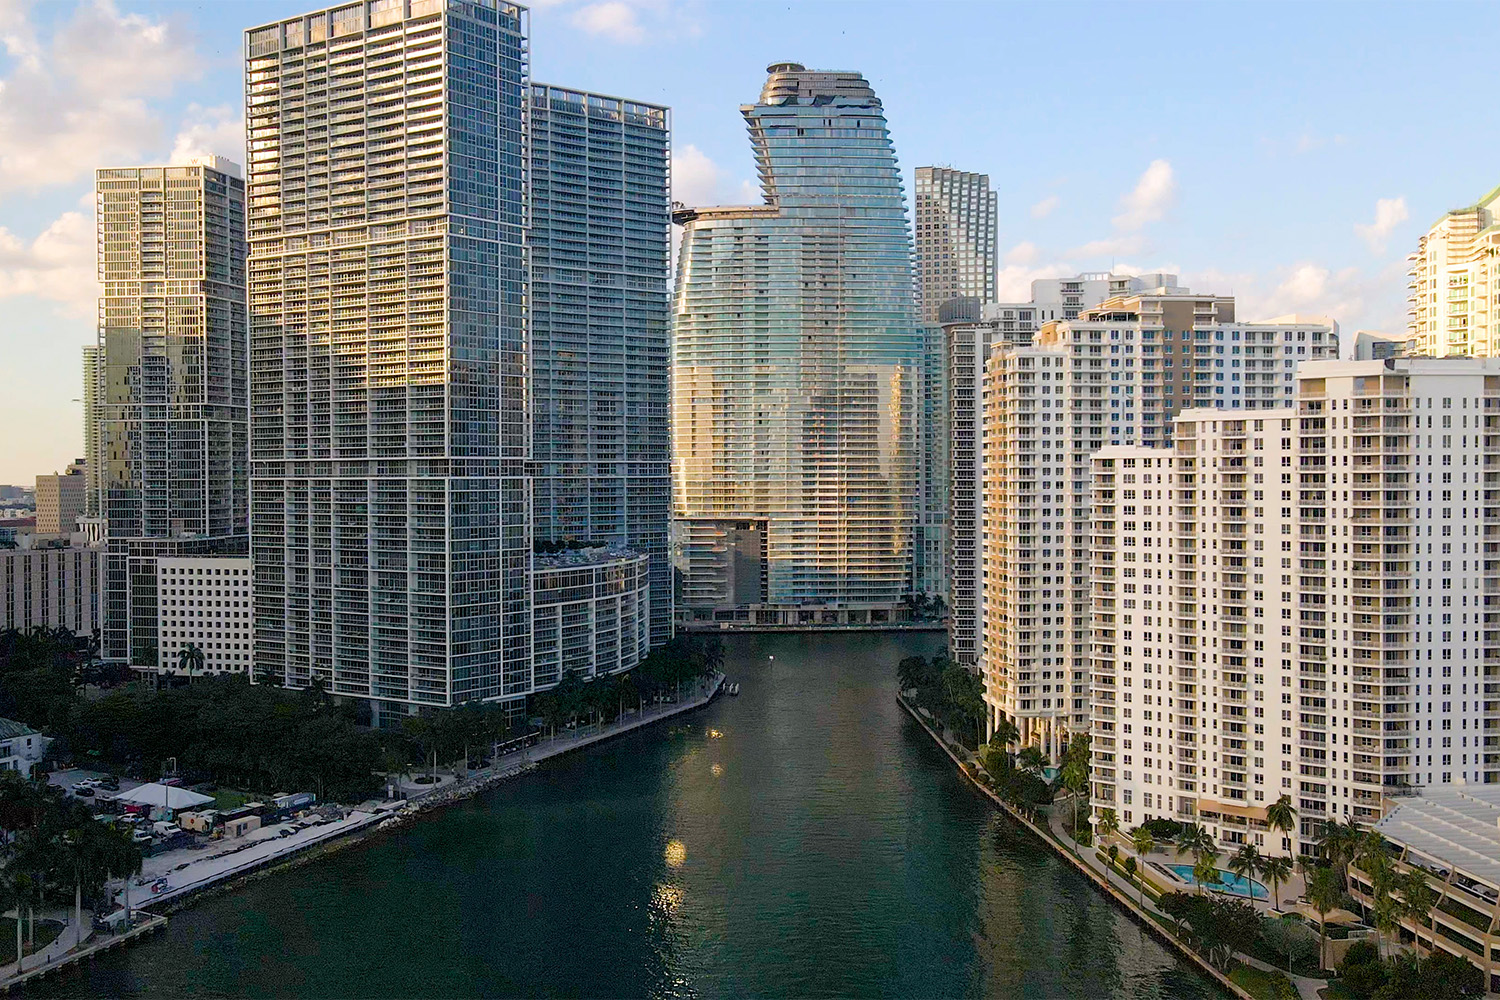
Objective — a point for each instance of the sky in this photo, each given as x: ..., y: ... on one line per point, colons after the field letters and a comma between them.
x: 1287, y: 154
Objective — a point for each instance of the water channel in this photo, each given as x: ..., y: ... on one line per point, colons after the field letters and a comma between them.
x: 803, y: 839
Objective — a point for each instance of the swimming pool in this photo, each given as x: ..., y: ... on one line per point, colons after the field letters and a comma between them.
x: 1228, y: 882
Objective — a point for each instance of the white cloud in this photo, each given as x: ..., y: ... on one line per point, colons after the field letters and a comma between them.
x: 698, y: 180
x: 1023, y: 254
x: 613, y: 19
x: 1153, y: 194
x: 80, y: 98
x: 1044, y: 208
x: 57, y: 266
x: 1389, y: 213
x: 217, y: 131
x: 1013, y: 281
x: 1111, y: 247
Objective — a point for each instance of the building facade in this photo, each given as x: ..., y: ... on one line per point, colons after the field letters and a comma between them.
x: 1454, y: 291
x: 600, y: 243
x: 61, y: 499
x: 390, y: 502
x: 797, y: 371
x: 21, y: 747
x: 172, y: 411
x: 930, y: 546
x: 51, y: 587
x: 956, y: 232
x: 1370, y: 345
x: 592, y: 613
x: 93, y: 395
x: 206, y: 606
x: 1117, y: 374
x: 1292, y: 602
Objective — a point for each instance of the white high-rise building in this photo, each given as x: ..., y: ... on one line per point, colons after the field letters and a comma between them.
x: 1115, y: 375
x: 1454, y: 292
x: 205, y: 606
x: 1294, y: 601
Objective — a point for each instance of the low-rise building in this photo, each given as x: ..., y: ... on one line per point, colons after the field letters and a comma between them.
x: 21, y: 747
x: 61, y: 498
x: 591, y: 613
x: 204, y: 603
x: 1451, y: 833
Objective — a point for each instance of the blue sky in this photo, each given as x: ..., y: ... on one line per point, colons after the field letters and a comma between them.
x: 1285, y: 153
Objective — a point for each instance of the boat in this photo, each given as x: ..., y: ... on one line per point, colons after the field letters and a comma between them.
x: 734, y: 689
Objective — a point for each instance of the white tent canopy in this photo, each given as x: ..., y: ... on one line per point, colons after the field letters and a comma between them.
x: 161, y: 796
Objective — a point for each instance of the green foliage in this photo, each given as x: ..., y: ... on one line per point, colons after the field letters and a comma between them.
x: 1263, y: 985
x: 38, y: 673
x: 1217, y: 926
x: 953, y: 694
x: 231, y: 731
x: 1290, y: 939
x: 1162, y: 828
x: 1439, y: 976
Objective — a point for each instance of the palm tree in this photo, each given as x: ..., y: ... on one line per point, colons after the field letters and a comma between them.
x: 1386, y: 916
x: 1075, y: 778
x: 1337, y: 843
x: 1107, y: 823
x: 1276, y: 871
x: 190, y: 659
x: 1206, y: 869
x: 1281, y: 815
x: 1194, y: 840
x: 1419, y: 897
x: 1324, y: 893
x: 1246, y: 863
x: 1142, y: 843
x: 1031, y: 760
x: 1006, y: 733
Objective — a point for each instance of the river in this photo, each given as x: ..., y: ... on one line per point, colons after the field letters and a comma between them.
x: 803, y: 839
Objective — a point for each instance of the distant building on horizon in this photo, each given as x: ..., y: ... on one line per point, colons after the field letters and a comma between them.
x: 798, y: 371
x: 61, y: 499
x: 1455, y: 283
x: 1371, y: 345
x: 172, y: 411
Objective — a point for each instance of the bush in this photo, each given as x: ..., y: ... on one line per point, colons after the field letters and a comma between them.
x: 1163, y: 829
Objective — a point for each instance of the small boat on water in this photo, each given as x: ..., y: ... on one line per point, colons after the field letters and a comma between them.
x: 734, y: 689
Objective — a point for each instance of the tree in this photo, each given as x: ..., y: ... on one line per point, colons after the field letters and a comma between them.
x: 1338, y: 843
x: 1031, y: 761
x: 1288, y: 937
x: 1206, y: 870
x: 1130, y: 871
x: 1246, y: 862
x: 1324, y: 893
x: 1006, y: 734
x: 1143, y: 844
x: 1386, y: 916
x: 1418, y: 896
x: 1276, y: 871
x: 1075, y: 778
x: 1281, y: 815
x: 1107, y: 823
x: 1194, y: 839
x: 1113, y: 851
x: 190, y: 660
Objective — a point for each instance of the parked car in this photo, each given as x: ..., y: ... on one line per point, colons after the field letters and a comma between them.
x: 141, y: 837
x: 83, y: 792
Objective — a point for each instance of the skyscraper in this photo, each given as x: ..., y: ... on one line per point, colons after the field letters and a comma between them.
x: 797, y: 370
x: 93, y: 393
x: 390, y: 502
x: 1455, y: 283
x: 1280, y: 610
x: 171, y: 420
x: 600, y: 252
x: 956, y: 225
x: 1115, y: 375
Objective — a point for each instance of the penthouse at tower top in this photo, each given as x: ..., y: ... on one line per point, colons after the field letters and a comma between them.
x: 796, y: 370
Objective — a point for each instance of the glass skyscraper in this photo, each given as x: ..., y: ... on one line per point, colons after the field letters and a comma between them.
x: 797, y: 370
x: 600, y: 245
x: 390, y: 521
x: 168, y: 406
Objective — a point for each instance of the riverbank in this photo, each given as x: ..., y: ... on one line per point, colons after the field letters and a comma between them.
x: 1100, y: 881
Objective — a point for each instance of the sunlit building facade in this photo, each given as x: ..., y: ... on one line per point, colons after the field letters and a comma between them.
x: 1454, y: 292
x: 389, y: 430
x: 797, y: 371
x: 956, y: 227
x: 170, y: 414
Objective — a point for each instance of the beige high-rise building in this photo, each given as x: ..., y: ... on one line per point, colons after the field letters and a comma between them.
x: 1454, y: 293
x: 956, y: 229
x: 61, y: 498
x: 1295, y: 602
x: 1117, y: 374
x: 93, y: 395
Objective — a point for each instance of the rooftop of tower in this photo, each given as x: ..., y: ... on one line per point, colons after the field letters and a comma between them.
x: 793, y: 83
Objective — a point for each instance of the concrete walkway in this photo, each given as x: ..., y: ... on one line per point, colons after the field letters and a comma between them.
x: 72, y: 936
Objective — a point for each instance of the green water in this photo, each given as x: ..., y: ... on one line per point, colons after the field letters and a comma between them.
x: 803, y: 839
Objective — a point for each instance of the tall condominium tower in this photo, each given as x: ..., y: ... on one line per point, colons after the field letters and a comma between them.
x: 1116, y: 375
x: 1455, y: 283
x: 930, y: 545
x: 973, y: 329
x: 600, y: 263
x: 93, y: 457
x: 389, y: 501
x: 1294, y: 602
x: 797, y: 370
x: 956, y: 238
x: 171, y: 417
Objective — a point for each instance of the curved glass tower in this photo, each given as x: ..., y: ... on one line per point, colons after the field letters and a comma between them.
x: 797, y: 370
